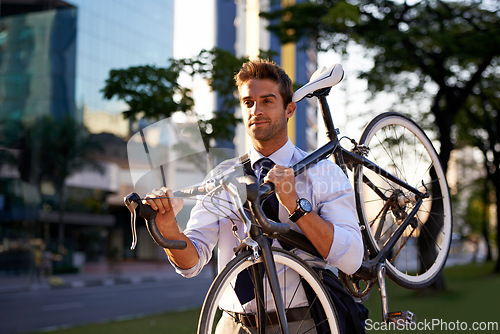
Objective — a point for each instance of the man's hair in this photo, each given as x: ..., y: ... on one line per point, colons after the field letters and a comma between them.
x: 266, y: 69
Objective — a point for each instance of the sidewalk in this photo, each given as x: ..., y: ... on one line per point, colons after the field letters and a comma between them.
x: 93, y: 274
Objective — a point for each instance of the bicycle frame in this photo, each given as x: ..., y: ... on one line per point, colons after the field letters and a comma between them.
x: 343, y: 158
x: 256, y: 234
x: 373, y: 267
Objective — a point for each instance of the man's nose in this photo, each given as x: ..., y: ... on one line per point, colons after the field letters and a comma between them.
x: 256, y: 110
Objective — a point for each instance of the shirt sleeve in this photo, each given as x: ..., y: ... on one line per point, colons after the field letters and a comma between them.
x: 333, y: 198
x: 203, y: 231
x: 204, y: 223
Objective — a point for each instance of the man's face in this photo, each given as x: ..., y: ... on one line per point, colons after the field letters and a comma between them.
x: 264, y: 116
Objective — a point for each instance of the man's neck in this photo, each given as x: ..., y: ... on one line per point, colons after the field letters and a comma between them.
x: 269, y: 147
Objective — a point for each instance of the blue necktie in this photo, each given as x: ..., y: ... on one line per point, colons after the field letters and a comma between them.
x: 244, y: 285
x: 270, y: 205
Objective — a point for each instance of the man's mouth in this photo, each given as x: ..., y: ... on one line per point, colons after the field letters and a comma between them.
x: 259, y: 122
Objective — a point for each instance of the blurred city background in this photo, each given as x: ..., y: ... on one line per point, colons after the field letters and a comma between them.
x: 78, y: 78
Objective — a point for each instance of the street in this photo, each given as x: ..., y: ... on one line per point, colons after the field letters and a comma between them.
x: 42, y: 309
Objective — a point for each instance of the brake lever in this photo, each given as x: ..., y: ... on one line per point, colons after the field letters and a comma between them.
x: 132, y: 206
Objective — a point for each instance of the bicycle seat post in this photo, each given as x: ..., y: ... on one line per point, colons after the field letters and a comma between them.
x: 327, y: 118
x: 331, y: 132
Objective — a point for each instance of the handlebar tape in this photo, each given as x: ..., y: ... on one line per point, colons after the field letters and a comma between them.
x: 149, y: 215
x: 254, y: 192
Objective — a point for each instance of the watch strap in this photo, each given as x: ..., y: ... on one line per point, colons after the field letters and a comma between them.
x: 298, y: 213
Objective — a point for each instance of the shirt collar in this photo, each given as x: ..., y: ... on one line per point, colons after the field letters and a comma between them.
x: 282, y: 156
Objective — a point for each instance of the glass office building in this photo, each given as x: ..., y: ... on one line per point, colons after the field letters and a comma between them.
x: 114, y: 35
x: 37, y: 63
x: 56, y: 55
x: 54, y: 59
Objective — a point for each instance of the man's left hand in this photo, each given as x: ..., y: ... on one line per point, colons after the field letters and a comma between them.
x: 284, y: 183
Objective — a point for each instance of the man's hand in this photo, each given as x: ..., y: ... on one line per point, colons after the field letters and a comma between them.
x: 284, y: 183
x: 163, y: 201
x: 316, y: 229
x: 168, y: 207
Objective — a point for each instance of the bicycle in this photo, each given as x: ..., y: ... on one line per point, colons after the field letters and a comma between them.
x: 404, y: 210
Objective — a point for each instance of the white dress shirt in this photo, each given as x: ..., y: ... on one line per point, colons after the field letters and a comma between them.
x: 324, y: 185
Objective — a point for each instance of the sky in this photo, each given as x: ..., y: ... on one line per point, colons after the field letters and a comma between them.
x: 194, y: 31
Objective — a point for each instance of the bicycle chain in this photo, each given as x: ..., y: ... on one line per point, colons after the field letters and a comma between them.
x: 400, y: 248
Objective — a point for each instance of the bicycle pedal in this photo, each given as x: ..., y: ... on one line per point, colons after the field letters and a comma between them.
x: 401, y: 318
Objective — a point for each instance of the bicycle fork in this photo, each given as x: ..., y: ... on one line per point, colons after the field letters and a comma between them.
x: 270, y: 268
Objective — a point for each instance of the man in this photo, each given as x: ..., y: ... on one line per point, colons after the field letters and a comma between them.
x: 265, y: 92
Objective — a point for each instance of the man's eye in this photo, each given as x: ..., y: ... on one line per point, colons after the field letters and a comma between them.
x: 249, y: 104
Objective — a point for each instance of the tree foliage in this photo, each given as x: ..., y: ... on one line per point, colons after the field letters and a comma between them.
x: 149, y: 91
x: 445, y: 51
x: 66, y: 146
x: 451, y: 44
x: 217, y: 67
x: 154, y: 93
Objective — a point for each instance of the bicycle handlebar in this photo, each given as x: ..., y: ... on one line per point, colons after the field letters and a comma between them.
x: 146, y: 212
x: 195, y: 190
x: 254, y: 194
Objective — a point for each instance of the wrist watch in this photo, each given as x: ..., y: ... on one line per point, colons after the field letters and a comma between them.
x: 303, y: 208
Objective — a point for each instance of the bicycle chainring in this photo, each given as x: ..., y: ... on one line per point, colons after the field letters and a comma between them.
x: 357, y: 287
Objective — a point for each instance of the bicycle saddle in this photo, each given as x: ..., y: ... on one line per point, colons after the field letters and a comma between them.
x: 321, y: 78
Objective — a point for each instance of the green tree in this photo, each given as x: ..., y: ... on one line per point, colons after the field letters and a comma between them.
x: 149, y: 91
x: 452, y: 44
x: 478, y: 125
x: 435, y: 50
x: 154, y: 93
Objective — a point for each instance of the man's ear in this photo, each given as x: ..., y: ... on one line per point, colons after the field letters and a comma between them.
x: 290, y: 109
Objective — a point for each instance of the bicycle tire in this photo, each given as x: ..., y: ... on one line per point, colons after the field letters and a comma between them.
x: 285, y: 261
x: 398, y: 145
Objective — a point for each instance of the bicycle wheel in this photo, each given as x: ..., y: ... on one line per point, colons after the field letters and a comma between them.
x: 400, y: 146
x: 293, y: 273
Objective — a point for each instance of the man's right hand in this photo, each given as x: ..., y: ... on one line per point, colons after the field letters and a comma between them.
x: 163, y: 201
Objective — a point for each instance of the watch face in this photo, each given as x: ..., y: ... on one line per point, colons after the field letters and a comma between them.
x: 305, y: 205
